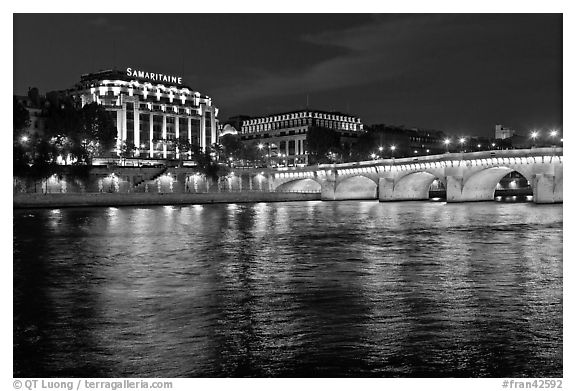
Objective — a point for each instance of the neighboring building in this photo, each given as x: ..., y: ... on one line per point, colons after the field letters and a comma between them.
x: 408, y: 141
x: 500, y: 132
x: 35, y: 105
x: 283, y: 135
x: 149, y: 107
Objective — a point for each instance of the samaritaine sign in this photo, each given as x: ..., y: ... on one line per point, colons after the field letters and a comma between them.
x: 153, y: 76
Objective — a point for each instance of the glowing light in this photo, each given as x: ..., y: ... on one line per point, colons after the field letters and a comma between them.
x: 553, y: 133
x: 479, y: 145
x: 260, y: 146
x: 447, y: 141
x: 462, y: 140
x: 393, y: 147
x: 380, y: 149
x: 427, y: 151
x: 373, y: 156
x: 24, y: 139
x: 493, y: 144
x: 534, y: 134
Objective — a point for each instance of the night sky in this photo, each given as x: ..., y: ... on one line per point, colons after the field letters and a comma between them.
x: 458, y: 73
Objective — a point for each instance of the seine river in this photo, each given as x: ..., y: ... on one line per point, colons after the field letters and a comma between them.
x: 412, y: 289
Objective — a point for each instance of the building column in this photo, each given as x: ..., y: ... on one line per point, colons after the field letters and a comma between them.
x: 118, y: 131
x: 190, y: 136
x: 214, y: 131
x: 177, y: 128
x: 136, y: 128
x: 151, y: 136
x: 164, y: 147
x: 124, y: 127
x: 202, y: 129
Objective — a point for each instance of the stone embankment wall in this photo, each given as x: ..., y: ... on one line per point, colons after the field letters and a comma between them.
x: 34, y: 200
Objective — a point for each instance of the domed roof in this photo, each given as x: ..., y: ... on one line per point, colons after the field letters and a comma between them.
x: 228, y: 129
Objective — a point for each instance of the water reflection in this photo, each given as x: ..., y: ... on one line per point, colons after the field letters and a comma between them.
x: 290, y: 289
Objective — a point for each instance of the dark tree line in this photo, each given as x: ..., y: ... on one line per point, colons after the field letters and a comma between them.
x: 71, y: 133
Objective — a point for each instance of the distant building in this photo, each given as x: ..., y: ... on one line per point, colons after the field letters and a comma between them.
x: 283, y: 135
x: 150, y: 110
x: 408, y: 141
x: 35, y: 104
x: 500, y: 132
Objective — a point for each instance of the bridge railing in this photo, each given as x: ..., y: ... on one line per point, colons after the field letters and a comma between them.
x: 450, y: 156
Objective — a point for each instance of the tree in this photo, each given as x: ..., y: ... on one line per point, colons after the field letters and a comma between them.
x: 322, y: 142
x: 207, y: 165
x: 21, y: 119
x: 232, y: 146
x: 98, y: 129
x: 127, y: 149
x: 184, y: 146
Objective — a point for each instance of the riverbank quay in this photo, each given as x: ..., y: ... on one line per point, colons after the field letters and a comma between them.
x: 25, y: 200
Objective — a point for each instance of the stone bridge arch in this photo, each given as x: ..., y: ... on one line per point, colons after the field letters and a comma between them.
x: 481, y: 185
x: 304, y: 185
x: 357, y: 187
x: 410, y: 185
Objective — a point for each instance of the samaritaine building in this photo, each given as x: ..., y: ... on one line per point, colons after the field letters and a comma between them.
x: 151, y: 110
x: 284, y: 135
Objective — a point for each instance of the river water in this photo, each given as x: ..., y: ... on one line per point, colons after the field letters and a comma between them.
x: 362, y: 288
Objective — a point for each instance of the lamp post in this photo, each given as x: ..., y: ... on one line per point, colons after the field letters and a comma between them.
x: 462, y: 141
x: 553, y: 135
x: 447, y: 143
x: 392, y: 148
x: 534, y: 136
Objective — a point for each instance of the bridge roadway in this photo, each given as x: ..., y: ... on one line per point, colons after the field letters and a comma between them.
x: 466, y: 176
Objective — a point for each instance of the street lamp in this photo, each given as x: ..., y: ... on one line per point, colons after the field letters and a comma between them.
x: 534, y: 136
x: 373, y: 156
x: 553, y: 135
x: 380, y: 149
x: 447, y: 143
x: 462, y: 141
x: 24, y: 139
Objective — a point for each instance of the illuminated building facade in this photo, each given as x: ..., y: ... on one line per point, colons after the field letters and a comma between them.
x: 283, y: 136
x: 501, y: 132
x: 153, y: 112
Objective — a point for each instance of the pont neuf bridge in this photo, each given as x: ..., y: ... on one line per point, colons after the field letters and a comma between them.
x: 466, y: 176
